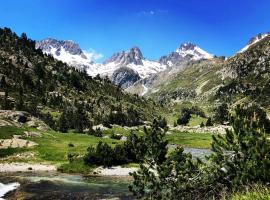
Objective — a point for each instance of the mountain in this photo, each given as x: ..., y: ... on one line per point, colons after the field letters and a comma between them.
x: 241, y: 78
x: 125, y: 77
x: 253, y: 41
x: 70, y: 53
x: 183, y: 57
x: 124, y: 68
x: 186, y: 52
x: 52, y: 90
x: 66, y: 51
x: 246, y: 75
x: 133, y: 59
x: 131, y: 56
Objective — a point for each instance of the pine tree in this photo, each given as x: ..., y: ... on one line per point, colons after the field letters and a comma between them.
x: 209, y: 122
x: 242, y: 156
x: 63, y: 123
x: 162, y: 177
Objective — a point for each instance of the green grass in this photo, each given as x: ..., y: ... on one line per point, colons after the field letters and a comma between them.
x: 193, y: 140
x: 256, y: 193
x: 53, y: 147
x: 7, y: 132
x: 11, y: 151
x: 76, y: 166
x: 196, y: 120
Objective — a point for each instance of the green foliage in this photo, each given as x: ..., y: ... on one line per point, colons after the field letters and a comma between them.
x: 240, y: 158
x: 161, y: 177
x: 243, y: 154
x: 255, y: 192
x: 96, y: 133
x: 105, y: 155
x: 11, y: 151
x: 115, y: 136
x: 184, y: 118
x: 186, y: 114
x: 7, y: 132
x: 162, y: 122
x: 133, y: 150
x: 255, y: 112
x: 221, y: 113
x: 63, y: 123
x: 209, y: 122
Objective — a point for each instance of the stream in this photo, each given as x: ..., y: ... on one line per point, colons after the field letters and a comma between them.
x: 54, y: 185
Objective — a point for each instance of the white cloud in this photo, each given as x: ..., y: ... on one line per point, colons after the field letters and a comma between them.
x: 152, y: 12
x: 92, y: 55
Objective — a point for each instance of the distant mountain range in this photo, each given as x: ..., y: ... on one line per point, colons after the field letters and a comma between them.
x: 136, y: 74
x: 124, y: 68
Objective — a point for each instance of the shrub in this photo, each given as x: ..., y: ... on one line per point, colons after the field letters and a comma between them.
x: 96, y: 133
x: 115, y: 136
x: 70, y: 145
x: 209, y: 122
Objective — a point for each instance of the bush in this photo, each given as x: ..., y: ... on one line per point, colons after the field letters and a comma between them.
x: 96, y: 133
x: 221, y: 113
x: 243, y: 154
x: 184, y: 118
x: 115, y: 136
x: 209, y: 122
x: 101, y: 155
x: 70, y: 145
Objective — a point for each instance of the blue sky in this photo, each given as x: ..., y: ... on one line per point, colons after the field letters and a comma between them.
x: 158, y: 27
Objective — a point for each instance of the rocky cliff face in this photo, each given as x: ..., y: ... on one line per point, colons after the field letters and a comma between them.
x: 125, y: 77
x: 131, y: 56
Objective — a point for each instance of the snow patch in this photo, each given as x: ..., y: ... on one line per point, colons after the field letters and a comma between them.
x: 5, y: 188
x: 145, y: 90
x: 257, y: 39
x: 197, y: 53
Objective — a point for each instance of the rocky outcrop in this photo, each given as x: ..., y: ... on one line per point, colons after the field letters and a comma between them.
x: 17, y: 118
x: 125, y: 77
x: 131, y: 56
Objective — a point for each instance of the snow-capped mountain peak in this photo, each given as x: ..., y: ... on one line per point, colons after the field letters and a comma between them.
x: 253, y: 41
x: 186, y: 52
x: 131, y: 56
x: 133, y: 59
x: 193, y: 50
x: 66, y: 51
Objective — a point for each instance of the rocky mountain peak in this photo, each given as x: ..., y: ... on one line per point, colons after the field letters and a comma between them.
x: 131, y: 56
x: 186, y: 52
x: 66, y: 51
x: 68, y: 45
x: 187, y: 46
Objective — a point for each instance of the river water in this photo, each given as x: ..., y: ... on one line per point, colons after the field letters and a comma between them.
x: 54, y: 185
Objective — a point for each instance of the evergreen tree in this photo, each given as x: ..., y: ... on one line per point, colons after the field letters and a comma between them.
x: 242, y: 156
x: 221, y: 113
x: 209, y: 122
x: 161, y: 177
x: 63, y: 123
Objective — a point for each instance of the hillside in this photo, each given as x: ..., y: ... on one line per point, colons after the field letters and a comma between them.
x: 246, y: 75
x: 45, y: 87
x: 242, y: 78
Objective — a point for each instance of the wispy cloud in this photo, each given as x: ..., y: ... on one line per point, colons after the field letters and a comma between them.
x: 92, y: 55
x: 151, y: 12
